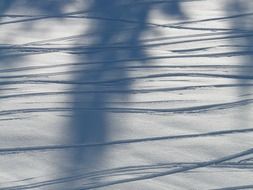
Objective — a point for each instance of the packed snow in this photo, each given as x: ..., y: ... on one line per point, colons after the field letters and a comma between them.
x: 126, y: 94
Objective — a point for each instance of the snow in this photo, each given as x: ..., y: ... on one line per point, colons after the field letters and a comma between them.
x: 126, y: 94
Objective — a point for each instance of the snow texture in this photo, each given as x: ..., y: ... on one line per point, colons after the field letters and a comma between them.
x: 126, y: 94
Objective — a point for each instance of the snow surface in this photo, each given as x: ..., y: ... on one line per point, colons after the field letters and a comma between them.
x: 126, y: 94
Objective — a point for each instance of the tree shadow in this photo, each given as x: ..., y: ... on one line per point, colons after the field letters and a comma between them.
x: 117, y: 28
x: 244, y: 45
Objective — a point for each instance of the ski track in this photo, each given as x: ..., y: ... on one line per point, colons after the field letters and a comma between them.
x: 192, y: 65
x: 176, y: 168
x: 17, y: 150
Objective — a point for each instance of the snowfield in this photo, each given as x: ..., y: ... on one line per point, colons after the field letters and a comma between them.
x: 126, y: 94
